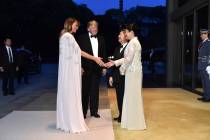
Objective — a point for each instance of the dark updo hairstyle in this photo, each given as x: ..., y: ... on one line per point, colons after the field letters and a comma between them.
x: 132, y: 27
x: 68, y: 25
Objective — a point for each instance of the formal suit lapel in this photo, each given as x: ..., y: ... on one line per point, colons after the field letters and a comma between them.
x: 5, y: 52
x: 122, y: 52
x: 6, y: 55
x: 117, y: 53
x: 89, y: 45
x: 203, y: 43
x: 99, y: 46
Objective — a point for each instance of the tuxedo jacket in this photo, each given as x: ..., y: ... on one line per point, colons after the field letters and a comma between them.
x: 204, y: 55
x: 116, y: 70
x: 4, y: 58
x: 85, y: 45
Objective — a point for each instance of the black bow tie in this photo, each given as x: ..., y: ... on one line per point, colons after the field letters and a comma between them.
x: 93, y: 36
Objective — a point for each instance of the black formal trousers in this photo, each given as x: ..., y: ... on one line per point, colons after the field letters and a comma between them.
x: 205, y: 83
x: 8, y: 79
x: 119, y: 80
x: 90, y: 91
x: 119, y: 87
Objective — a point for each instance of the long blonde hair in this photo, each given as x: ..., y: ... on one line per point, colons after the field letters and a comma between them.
x: 68, y: 25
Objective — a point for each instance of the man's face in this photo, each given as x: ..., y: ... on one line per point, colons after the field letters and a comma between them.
x: 204, y: 36
x: 8, y: 42
x: 93, y: 28
x: 121, y: 37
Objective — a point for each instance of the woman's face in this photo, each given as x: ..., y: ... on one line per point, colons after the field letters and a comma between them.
x: 128, y: 34
x: 75, y: 27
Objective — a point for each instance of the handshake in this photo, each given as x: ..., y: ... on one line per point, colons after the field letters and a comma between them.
x: 100, y: 62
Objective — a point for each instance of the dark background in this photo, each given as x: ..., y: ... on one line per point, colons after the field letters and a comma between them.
x: 37, y: 25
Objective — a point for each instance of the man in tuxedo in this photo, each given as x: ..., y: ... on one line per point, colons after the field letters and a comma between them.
x: 203, y: 63
x: 93, y: 44
x: 116, y: 79
x: 7, y: 67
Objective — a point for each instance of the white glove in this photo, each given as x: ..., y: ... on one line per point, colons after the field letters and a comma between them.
x: 110, y: 81
x: 122, y: 70
x: 208, y: 70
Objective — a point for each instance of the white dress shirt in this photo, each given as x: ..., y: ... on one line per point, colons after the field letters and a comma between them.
x: 10, y: 56
x: 205, y: 40
x: 94, y: 44
x: 124, y: 45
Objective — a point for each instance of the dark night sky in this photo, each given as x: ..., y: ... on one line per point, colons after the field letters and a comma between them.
x: 100, y: 6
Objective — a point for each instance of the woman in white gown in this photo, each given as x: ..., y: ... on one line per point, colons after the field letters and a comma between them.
x: 69, y: 106
x: 131, y: 67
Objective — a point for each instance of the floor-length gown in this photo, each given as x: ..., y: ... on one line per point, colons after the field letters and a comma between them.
x: 131, y: 66
x: 69, y: 106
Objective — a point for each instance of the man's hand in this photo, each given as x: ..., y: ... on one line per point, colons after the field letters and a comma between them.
x: 111, y: 81
x: 109, y: 64
x: 99, y: 61
x: 1, y: 69
x: 17, y: 68
x: 82, y: 71
x: 104, y: 71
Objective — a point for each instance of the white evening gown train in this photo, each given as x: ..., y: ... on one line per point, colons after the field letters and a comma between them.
x: 69, y: 106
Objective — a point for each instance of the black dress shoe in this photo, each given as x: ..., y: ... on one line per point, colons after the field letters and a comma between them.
x: 206, y: 100
x: 95, y: 115
x: 201, y: 98
x: 116, y: 119
x: 11, y: 93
